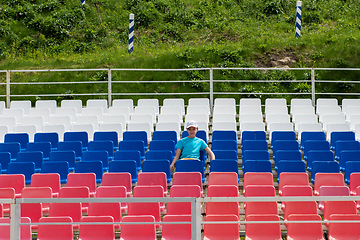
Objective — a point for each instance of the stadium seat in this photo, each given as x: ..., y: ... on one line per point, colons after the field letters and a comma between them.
x: 51, y: 180
x: 46, y: 232
x: 51, y: 137
x: 22, y: 138
x: 223, y: 178
x: 226, y: 154
x: 282, y: 135
x: 118, y: 179
x: 34, y: 211
x: 354, y: 183
x: 342, y: 136
x: 188, y: 178
x: 296, y: 190
x: 138, y: 231
x: 224, y: 166
x: 190, y: 166
x: 31, y: 156
x: 324, y: 167
x: 254, y: 178
x: 106, y: 209
x: 113, y: 192
x: 148, y: 208
x: 44, y: 147
x: 133, y: 145
x: 101, y: 155
x: 228, y: 231
x: 153, y: 179
x: 75, y: 146
x: 106, y: 145
x: 82, y: 179
x: 284, y: 145
x: 224, y: 135
x: 124, y: 166
x: 25, y: 168
x: 341, y: 207
x: 6, y: 192
x: 290, y: 155
x: 25, y: 230
x: 291, y: 166
x: 292, y: 179
x: 219, y: 208
x: 76, y: 192
x: 158, y: 166
x: 136, y: 135
x: 257, y: 166
x: 268, y: 230
x: 344, y: 230
x: 163, y: 145
x: 108, y: 135
x: 260, y: 207
x: 165, y: 135
x: 5, y: 158
x: 351, y: 167
x: 182, y: 208
x: 252, y: 135
x: 156, y: 191
x: 98, y: 231
x: 61, y: 168
x: 253, y: 155
x: 12, y: 147
x: 90, y: 167
x: 78, y: 136
x: 311, y: 135
x: 129, y: 155
x: 72, y: 210
x: 296, y: 230
x: 63, y: 155
x: 332, y: 191
x: 319, y: 155
x: 327, y: 179
x: 176, y: 231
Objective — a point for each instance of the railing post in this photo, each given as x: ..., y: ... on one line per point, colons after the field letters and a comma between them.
x: 195, y: 219
x: 109, y: 87
x: 211, y: 90
x: 313, y: 86
x: 15, y: 220
x: 8, y: 88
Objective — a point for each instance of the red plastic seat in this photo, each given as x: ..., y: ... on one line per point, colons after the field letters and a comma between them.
x: 76, y: 192
x: 38, y: 192
x: 176, y: 231
x: 295, y: 190
x: 115, y: 192
x: 344, y: 231
x: 6, y: 193
x: 354, y: 183
x: 223, y: 178
x: 106, y: 209
x: 358, y: 194
x: 287, y: 178
x: 341, y: 207
x: 156, y: 191
x: 299, y: 208
x: 118, y: 179
x: 95, y: 232
x: 295, y: 231
x: 260, y: 207
x: 260, y: 178
x: 16, y: 181
x: 182, y: 208
x: 153, y: 178
x: 213, y: 208
x: 47, y: 180
x: 332, y: 191
x: 82, y: 179
x: 50, y: 232
x: 188, y: 178
x: 262, y: 231
x: 221, y: 231
x: 72, y: 210
x: 25, y: 230
x: 327, y: 179
x: 138, y: 231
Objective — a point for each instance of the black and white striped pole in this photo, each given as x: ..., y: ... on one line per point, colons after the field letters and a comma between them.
x: 298, y: 20
x: 131, y: 33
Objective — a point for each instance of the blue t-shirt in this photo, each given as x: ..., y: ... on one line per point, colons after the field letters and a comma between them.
x: 191, y: 147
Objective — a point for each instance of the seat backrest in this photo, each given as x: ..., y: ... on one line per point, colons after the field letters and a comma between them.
x: 61, y: 168
x: 268, y: 230
x: 46, y: 232
x: 108, y: 135
x: 223, y: 178
x: 107, y: 145
x: 138, y: 231
x: 296, y: 230
x: 75, y: 146
x: 24, y: 168
x: 72, y: 103
x: 63, y: 155
x: 176, y: 231
x: 117, y: 179
x: 254, y: 178
x: 327, y: 179
x: 101, y: 155
x: 129, y: 155
x: 93, y: 103
x: 221, y: 231
x: 152, y: 179
x: 81, y: 136
x: 187, y: 178
x: 82, y: 179
x: 51, y: 180
x: 292, y: 179
x: 344, y: 230
x: 190, y: 166
x: 101, y: 231
x: 124, y: 166
x: 124, y: 102
x: 95, y: 166
x: 342, y: 207
x: 25, y: 232
x: 12, y: 147
x: 158, y: 166
x: 36, y: 192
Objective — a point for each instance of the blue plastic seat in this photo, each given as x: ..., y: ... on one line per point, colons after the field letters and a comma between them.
x: 36, y: 157
x: 315, y: 145
x: 343, y: 136
x: 22, y: 138
x: 224, y: 135
x: 51, y: 137
x: 165, y: 135
x: 224, y: 166
x: 77, y: 136
x: 351, y: 167
x: 254, y: 145
x: 200, y: 134
x: 44, y: 147
x: 345, y: 145
x: 90, y: 167
x: 127, y: 166
x: 226, y: 154
x: 159, y: 154
x: 311, y: 136
x: 5, y: 158
x: 11, y: 147
x: 318, y: 155
x: 101, y: 155
x: 284, y: 145
x: 75, y: 146
x: 163, y: 145
x: 158, y: 166
x: 224, y: 145
x: 255, y: 155
x: 252, y: 135
x: 25, y: 168
x: 287, y: 155
x: 290, y: 166
x: 66, y: 155
x: 257, y: 166
x: 190, y: 166
x: 111, y: 135
x: 61, y: 167
x: 324, y: 167
x: 282, y: 135
x: 348, y: 155
x: 137, y: 135
x: 129, y: 155
x: 106, y: 145
x: 133, y: 145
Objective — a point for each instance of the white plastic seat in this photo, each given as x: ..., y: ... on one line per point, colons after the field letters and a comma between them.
x: 169, y: 126
x: 145, y: 110
x: 124, y: 103
x: 95, y: 103
x: 299, y: 102
x: 279, y: 127
x: 332, y: 119
x: 149, y: 103
x: 321, y: 102
x: 199, y: 102
x: 336, y: 127
x: 25, y: 104
x: 309, y: 127
x: 252, y: 126
x: 225, y: 102
x: 198, y: 117
x: 352, y: 110
x: 86, y: 127
x: 43, y: 112
x: 18, y: 113
x: 94, y: 120
x: 121, y: 119
x: 250, y: 118
x: 10, y: 122
x: 65, y: 120
x: 143, y: 118
x: 345, y: 103
x: 302, y: 110
x: 162, y: 118
x: 29, y: 129
x: 224, y: 109
x: 196, y: 109
x: 276, y: 110
x: 171, y: 110
x: 93, y: 111
x: 51, y: 104
x: 328, y: 110
x: 224, y: 118
x: 250, y: 110
x: 117, y: 127
x: 60, y: 129
x: 120, y: 111
x: 275, y: 102
x: 354, y: 119
x: 3, y: 130
x: 172, y: 102
x: 67, y: 111
x: 203, y: 126
x: 250, y: 102
x: 141, y: 127
x: 298, y: 119
x: 279, y: 118
x: 225, y: 126
x: 37, y: 121
x: 72, y: 103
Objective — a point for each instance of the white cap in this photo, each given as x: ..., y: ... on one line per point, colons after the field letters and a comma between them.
x: 191, y: 123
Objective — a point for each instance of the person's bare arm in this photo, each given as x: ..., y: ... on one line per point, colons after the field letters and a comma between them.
x: 177, y: 156
x: 210, y: 153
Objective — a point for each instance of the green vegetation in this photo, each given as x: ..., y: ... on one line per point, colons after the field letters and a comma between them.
x: 41, y: 34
